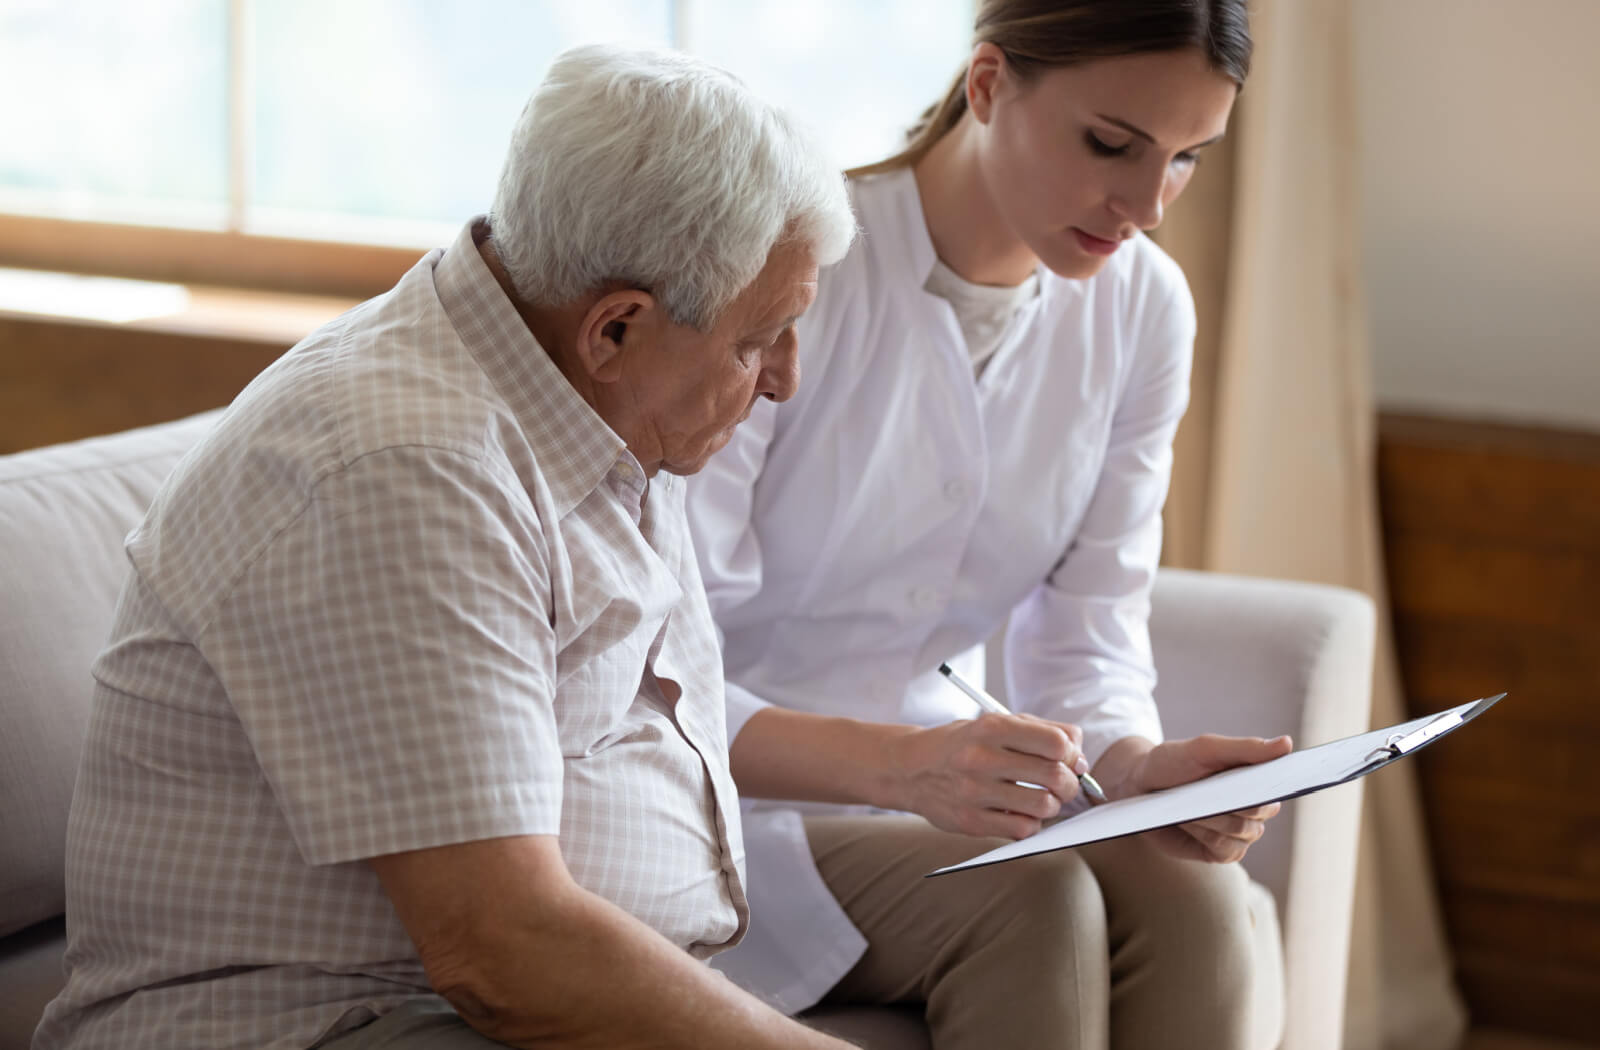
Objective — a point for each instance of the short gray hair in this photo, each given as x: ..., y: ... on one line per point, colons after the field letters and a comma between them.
x: 663, y: 172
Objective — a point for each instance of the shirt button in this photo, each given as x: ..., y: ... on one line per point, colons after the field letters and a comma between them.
x: 955, y: 491
x: 924, y: 597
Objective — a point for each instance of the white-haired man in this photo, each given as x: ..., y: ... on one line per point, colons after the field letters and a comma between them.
x: 410, y: 730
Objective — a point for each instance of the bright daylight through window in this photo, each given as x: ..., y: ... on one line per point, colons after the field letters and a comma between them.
x: 384, y: 121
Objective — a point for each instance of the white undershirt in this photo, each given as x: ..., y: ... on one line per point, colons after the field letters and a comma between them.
x: 984, y: 311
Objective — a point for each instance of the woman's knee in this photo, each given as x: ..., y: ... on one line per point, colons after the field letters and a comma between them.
x: 1049, y: 902
x: 1178, y: 908
x: 1210, y: 902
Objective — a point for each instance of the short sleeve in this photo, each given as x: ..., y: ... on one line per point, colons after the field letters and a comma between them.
x: 391, y: 658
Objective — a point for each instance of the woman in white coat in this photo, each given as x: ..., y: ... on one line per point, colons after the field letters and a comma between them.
x: 991, y: 382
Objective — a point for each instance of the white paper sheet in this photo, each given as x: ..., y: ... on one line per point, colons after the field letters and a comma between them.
x: 1297, y: 773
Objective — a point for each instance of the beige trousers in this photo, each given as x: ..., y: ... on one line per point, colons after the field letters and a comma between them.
x: 1110, y: 945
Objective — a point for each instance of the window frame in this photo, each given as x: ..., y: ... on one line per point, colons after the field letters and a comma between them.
x: 209, y: 257
x: 230, y: 254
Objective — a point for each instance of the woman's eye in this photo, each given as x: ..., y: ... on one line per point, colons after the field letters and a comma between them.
x: 1103, y: 148
x: 1188, y: 160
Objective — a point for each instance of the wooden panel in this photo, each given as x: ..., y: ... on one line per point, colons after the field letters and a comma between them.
x: 1534, y: 853
x: 62, y: 381
x: 1501, y: 1039
x: 1494, y: 581
x: 1492, y: 538
x: 203, y: 256
x: 1529, y: 996
x: 1459, y: 657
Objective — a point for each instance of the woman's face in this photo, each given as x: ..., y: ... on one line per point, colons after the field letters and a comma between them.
x: 1081, y: 157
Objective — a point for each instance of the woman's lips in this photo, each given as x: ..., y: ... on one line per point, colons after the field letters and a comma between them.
x: 1094, y: 245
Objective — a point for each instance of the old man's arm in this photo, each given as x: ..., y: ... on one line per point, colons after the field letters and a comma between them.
x: 530, y: 958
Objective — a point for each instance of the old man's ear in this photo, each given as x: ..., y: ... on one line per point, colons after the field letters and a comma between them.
x: 614, y: 323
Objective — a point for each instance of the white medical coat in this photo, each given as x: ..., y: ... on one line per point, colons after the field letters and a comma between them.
x: 896, y: 510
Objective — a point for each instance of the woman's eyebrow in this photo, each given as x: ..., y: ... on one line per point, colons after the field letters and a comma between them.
x: 1135, y: 129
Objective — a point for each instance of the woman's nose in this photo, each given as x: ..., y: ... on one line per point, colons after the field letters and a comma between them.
x: 1141, y: 200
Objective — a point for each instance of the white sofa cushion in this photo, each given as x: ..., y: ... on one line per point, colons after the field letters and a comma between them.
x: 64, y: 511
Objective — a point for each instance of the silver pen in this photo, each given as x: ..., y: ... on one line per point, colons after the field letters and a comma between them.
x: 1090, y: 786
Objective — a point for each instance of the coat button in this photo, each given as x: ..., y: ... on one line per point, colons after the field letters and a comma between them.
x: 955, y: 491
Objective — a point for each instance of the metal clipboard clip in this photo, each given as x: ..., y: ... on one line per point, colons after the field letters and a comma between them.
x: 1404, y: 743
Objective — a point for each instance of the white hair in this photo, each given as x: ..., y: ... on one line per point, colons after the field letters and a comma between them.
x: 661, y: 171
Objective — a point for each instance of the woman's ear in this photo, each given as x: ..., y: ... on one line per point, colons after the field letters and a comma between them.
x: 986, y: 71
x: 615, y: 323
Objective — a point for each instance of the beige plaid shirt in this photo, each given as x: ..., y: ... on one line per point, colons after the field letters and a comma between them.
x: 411, y: 591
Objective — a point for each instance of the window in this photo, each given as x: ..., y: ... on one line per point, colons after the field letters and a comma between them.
x: 115, y: 109
x: 377, y: 122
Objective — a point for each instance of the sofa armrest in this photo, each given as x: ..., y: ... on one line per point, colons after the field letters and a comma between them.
x: 1257, y: 657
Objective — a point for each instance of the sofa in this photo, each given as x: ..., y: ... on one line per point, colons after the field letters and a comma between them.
x: 1235, y: 655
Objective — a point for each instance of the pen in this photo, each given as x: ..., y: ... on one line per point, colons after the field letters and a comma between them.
x: 1090, y: 786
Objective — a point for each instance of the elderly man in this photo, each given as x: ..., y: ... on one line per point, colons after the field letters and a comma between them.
x: 410, y: 731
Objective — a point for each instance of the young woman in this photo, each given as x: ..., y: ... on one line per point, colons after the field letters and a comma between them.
x: 992, y: 380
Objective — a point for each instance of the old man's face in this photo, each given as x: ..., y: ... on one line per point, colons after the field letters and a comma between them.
x: 693, y: 388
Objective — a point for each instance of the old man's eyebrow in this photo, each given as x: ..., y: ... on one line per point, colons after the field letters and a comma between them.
x: 756, y: 335
x: 1135, y: 129
x: 781, y: 325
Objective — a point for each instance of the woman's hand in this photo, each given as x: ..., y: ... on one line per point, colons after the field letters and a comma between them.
x: 963, y: 777
x: 1133, y: 767
x: 969, y: 776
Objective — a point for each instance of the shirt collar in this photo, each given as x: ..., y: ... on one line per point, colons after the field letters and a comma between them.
x: 574, y: 447
x: 901, y: 203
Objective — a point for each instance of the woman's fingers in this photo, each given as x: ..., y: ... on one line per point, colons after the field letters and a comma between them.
x: 1227, y: 837
x: 1241, y: 829
x: 1029, y: 736
x: 1016, y: 750
x: 1012, y: 786
x: 1002, y: 824
x: 1074, y: 733
x: 1266, y: 812
x: 997, y: 775
x: 1025, y: 801
x: 1217, y: 846
x: 1180, y: 761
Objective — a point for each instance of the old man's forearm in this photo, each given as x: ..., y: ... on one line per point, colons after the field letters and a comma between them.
x: 530, y: 958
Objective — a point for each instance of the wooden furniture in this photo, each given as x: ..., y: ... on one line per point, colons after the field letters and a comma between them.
x: 1492, y: 537
x: 63, y: 378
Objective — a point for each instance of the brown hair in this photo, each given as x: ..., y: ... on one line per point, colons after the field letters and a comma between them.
x: 1036, y: 35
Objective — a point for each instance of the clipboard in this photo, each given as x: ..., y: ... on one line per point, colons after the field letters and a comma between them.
x: 1295, y: 774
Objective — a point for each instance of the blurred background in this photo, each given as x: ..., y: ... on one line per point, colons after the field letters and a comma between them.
x: 386, y: 120
x: 188, y: 186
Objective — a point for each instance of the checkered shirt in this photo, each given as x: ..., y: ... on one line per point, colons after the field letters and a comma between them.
x: 410, y: 592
